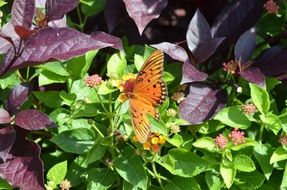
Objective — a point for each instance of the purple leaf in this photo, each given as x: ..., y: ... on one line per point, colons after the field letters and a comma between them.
x: 202, y: 103
x: 245, y: 46
x: 23, y: 167
x: 7, y: 36
x: 191, y: 74
x: 56, y: 9
x: 174, y: 51
x: 33, y: 120
x: 114, y: 41
x: 236, y: 18
x: 4, y: 116
x: 254, y: 75
x: 272, y: 61
x: 143, y: 11
x: 17, y: 96
x: 114, y: 13
x: 23, y: 12
x: 53, y: 43
x: 7, y: 139
x: 199, y: 39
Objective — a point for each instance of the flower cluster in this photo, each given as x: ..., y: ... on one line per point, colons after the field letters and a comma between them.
x: 153, y: 142
x: 249, y: 109
x: 230, y: 66
x: 93, y: 81
x: 236, y: 136
x: 271, y: 7
x: 283, y: 139
x: 65, y: 185
x: 179, y: 95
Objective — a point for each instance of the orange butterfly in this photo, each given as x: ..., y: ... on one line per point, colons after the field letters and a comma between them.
x: 146, y: 92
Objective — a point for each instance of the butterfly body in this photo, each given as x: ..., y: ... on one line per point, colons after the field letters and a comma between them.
x: 146, y: 92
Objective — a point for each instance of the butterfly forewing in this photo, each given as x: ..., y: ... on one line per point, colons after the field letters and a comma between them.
x: 149, y: 91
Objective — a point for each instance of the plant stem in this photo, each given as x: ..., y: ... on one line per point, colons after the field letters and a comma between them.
x: 158, y: 177
x: 100, y: 133
x: 261, y: 132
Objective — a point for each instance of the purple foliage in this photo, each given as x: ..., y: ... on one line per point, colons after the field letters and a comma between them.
x: 114, y: 13
x: 174, y: 51
x: 56, y: 9
x: 23, y: 167
x: 33, y: 120
x: 199, y: 39
x: 142, y: 11
x: 245, y: 46
x: 7, y: 139
x: 254, y: 75
x: 191, y: 74
x: 202, y: 103
x: 272, y: 62
x: 23, y: 12
x: 17, y: 96
x: 4, y: 117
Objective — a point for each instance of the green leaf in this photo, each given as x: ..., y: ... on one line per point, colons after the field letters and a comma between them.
x: 76, y: 170
x: 234, y: 117
x: 157, y: 127
x: 10, y: 81
x: 5, y: 185
x: 83, y: 92
x: 101, y: 178
x: 184, y: 163
x: 78, y: 66
x: 51, y: 99
x: 57, y: 173
x: 2, y: 3
x: 68, y: 99
x: 139, y: 61
x: 278, y: 155
x: 130, y: 167
x: 167, y: 77
x: 55, y: 67
x: 272, y: 122
x: 262, y: 153
x: 250, y: 180
x: 228, y: 174
x: 176, y: 140
x: 92, y: 7
x: 96, y: 153
x: 284, y: 179
x: 128, y: 186
x: 116, y: 65
x: 48, y: 77
x: 206, y: 143
x: 86, y: 110
x: 271, y: 83
x: 243, y: 163
x: 260, y: 98
x: 75, y: 141
x: 213, y: 181
x: 179, y: 183
x: 248, y: 142
x: 105, y: 89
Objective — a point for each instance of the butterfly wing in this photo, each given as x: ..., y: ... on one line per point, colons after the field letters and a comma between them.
x: 149, y: 91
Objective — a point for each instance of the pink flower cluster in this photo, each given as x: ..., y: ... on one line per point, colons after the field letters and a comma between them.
x: 230, y: 66
x: 271, y: 7
x: 93, y: 81
x: 283, y: 139
x: 236, y: 136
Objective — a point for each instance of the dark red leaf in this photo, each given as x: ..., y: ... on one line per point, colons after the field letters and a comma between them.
x: 235, y: 19
x: 272, y: 61
x: 7, y: 139
x: 191, y: 74
x: 23, y: 167
x: 23, y: 32
x: 17, y: 96
x: 56, y: 9
x: 142, y: 11
x: 7, y: 36
x: 33, y: 120
x: 245, y: 45
x: 254, y: 75
x: 202, y: 103
x: 114, y: 13
x: 4, y: 116
x: 54, y: 43
x: 23, y: 12
x: 114, y: 41
x: 199, y: 39
x: 174, y: 51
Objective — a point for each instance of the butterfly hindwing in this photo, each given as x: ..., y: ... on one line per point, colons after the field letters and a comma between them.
x: 149, y: 91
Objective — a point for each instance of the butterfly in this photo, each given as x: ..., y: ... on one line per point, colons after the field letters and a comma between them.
x: 145, y: 93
